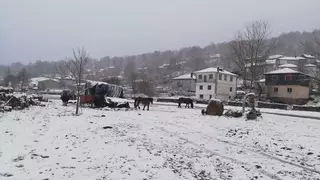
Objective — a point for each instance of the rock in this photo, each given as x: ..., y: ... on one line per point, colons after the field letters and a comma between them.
x: 107, y: 127
x: 20, y: 166
x: 6, y: 174
x: 258, y: 167
x: 103, y: 115
x: 214, y: 108
x: 43, y: 156
x: 309, y: 153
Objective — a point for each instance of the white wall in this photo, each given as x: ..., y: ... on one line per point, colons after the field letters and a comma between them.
x: 184, y: 84
x: 223, y: 87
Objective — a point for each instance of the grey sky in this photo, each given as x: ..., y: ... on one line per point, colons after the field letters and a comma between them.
x: 48, y: 29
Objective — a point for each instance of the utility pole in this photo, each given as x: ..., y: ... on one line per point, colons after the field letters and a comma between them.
x: 216, y: 85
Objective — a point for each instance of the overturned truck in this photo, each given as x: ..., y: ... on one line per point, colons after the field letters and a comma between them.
x: 96, y: 94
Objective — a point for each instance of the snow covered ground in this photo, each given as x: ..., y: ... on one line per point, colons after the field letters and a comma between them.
x: 166, y: 143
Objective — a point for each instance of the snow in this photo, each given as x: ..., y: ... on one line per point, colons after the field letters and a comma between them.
x: 270, y: 61
x: 276, y: 56
x: 36, y: 80
x: 6, y: 88
x: 185, y: 76
x: 214, y: 70
x: 291, y: 58
x: 287, y: 66
x: 283, y: 71
x: 310, y: 65
x: 308, y: 56
x: 164, y: 143
x: 96, y: 82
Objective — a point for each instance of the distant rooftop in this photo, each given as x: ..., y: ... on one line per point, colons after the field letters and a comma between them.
x: 288, y: 66
x: 185, y: 76
x: 276, y: 56
x: 308, y: 56
x: 283, y: 71
x: 214, y: 70
x: 291, y: 58
x: 310, y: 65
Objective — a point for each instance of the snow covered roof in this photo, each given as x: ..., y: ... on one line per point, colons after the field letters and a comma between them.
x: 276, y: 56
x: 271, y: 61
x: 164, y: 66
x: 310, y: 65
x: 308, y: 56
x: 39, y: 79
x: 6, y: 88
x: 185, y: 76
x: 283, y: 71
x: 262, y: 80
x: 214, y: 70
x: 288, y: 66
x: 291, y: 58
x: 96, y: 82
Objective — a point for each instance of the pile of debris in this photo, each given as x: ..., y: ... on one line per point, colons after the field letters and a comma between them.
x: 233, y: 113
x: 10, y: 102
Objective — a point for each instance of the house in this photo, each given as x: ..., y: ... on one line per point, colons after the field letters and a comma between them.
x: 287, y: 86
x: 43, y: 83
x: 49, y: 84
x: 186, y: 82
x: 206, y: 84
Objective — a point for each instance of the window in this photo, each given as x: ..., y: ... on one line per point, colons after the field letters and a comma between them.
x: 289, y: 90
x: 201, y: 96
x: 200, y: 87
x: 210, y: 76
x: 231, y: 78
x: 288, y: 77
x: 230, y: 89
x: 225, y: 77
x: 275, y: 90
x: 220, y: 76
x: 200, y: 76
x: 274, y: 77
x: 210, y: 96
x: 205, y: 78
x: 209, y: 87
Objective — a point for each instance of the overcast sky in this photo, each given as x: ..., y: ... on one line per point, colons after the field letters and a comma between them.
x: 33, y: 30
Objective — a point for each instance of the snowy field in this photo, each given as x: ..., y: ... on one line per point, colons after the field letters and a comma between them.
x: 164, y: 143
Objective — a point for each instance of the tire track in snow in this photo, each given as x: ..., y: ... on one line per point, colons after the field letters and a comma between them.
x: 264, y: 172
x: 251, y: 150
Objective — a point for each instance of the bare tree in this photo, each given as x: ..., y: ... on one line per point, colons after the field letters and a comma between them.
x: 61, y: 69
x: 76, y: 66
x: 238, y: 52
x: 251, y: 47
x: 23, y: 78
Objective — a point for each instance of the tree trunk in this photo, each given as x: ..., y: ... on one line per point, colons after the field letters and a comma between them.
x: 78, y: 99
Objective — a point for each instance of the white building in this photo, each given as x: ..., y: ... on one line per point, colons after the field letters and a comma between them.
x: 186, y: 82
x: 291, y: 66
x: 206, y: 84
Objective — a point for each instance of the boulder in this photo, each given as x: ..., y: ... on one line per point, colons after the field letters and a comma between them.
x: 215, y: 108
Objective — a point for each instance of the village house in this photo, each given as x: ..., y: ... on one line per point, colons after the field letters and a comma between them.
x: 206, y: 83
x: 287, y: 86
x: 43, y: 83
x: 186, y: 82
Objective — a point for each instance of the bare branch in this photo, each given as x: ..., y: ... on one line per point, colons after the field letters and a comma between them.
x: 251, y: 47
